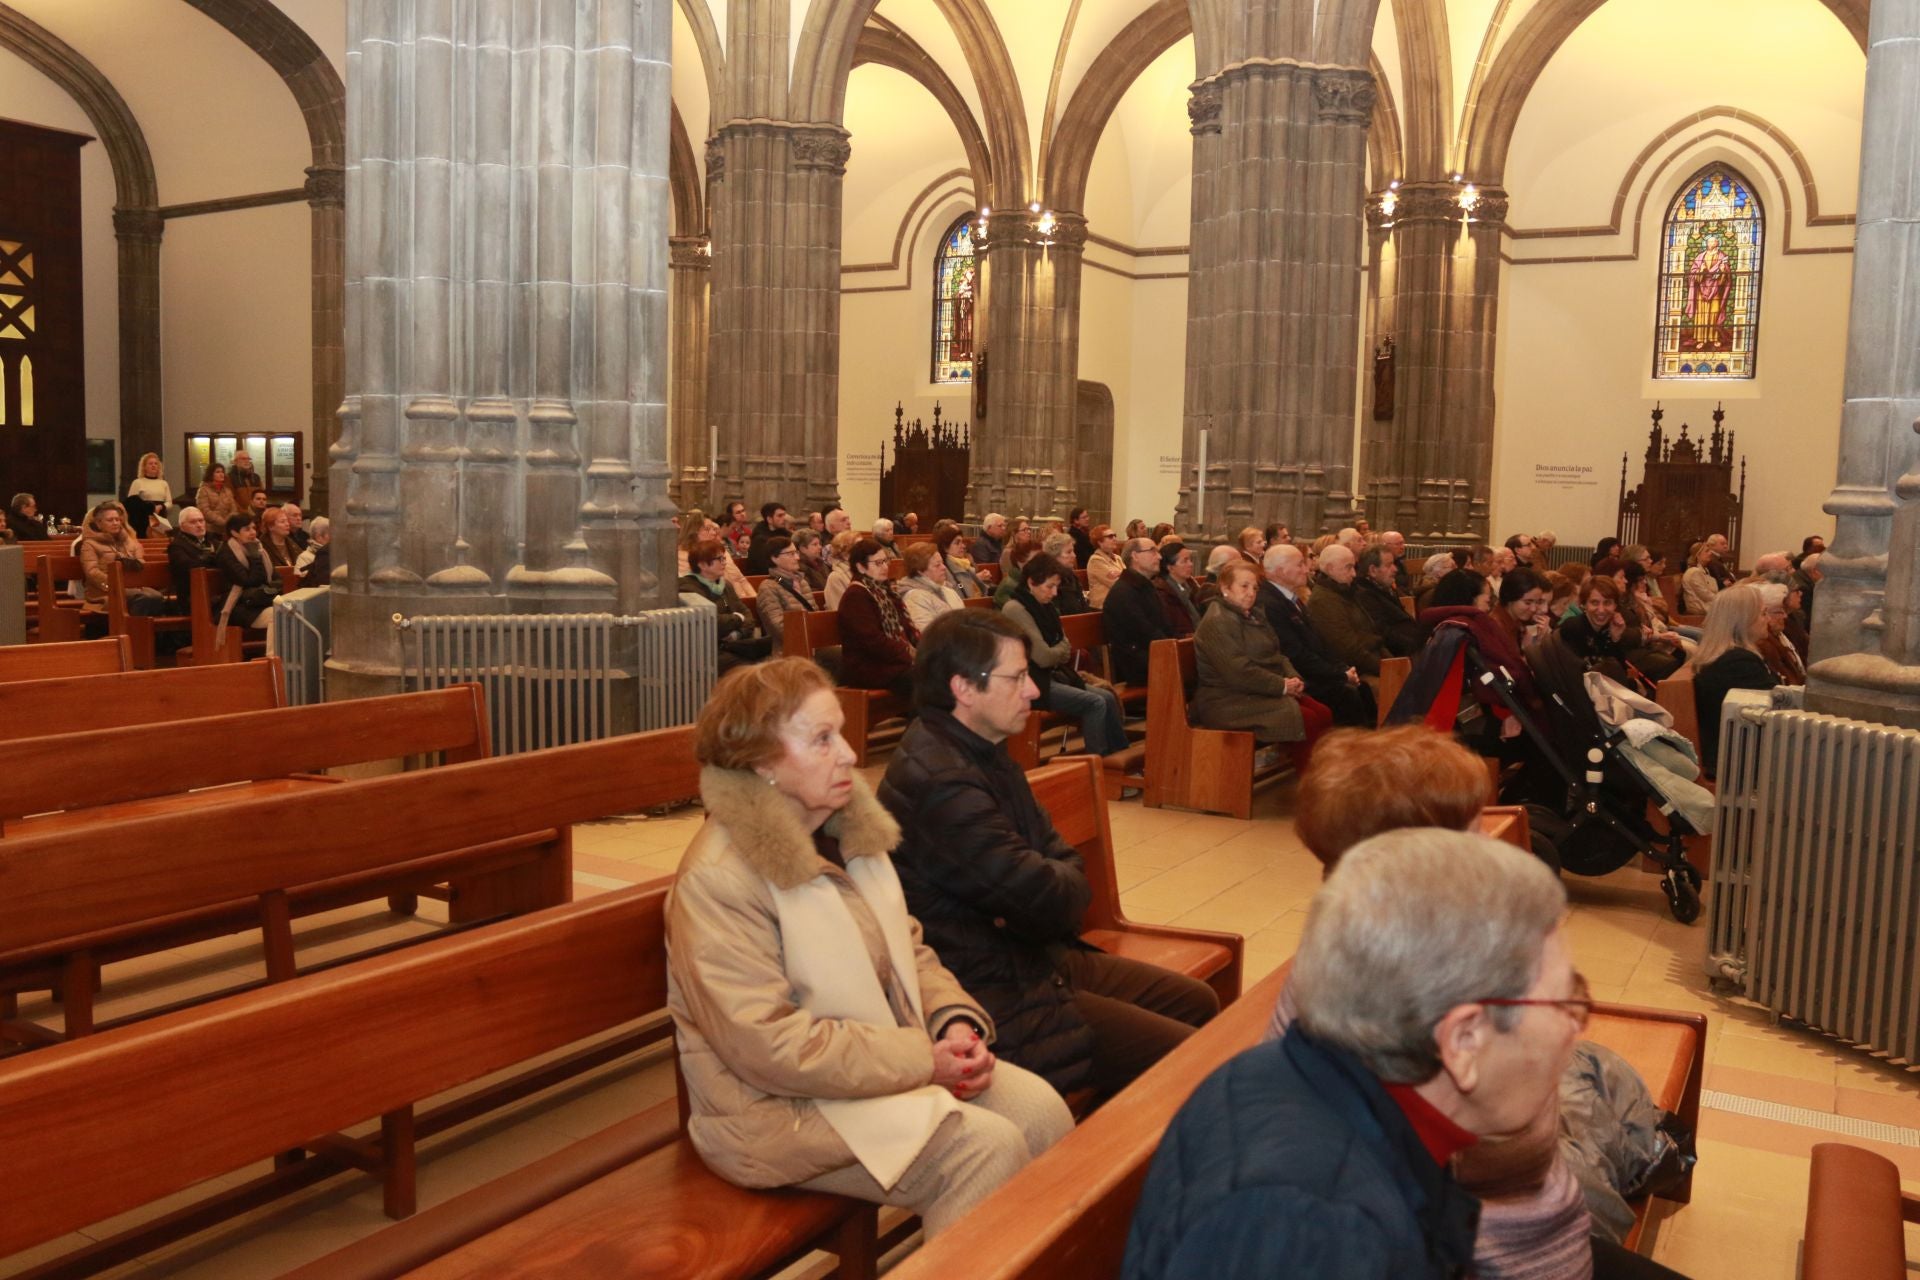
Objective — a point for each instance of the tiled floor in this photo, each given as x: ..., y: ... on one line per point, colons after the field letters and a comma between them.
x: 1253, y: 878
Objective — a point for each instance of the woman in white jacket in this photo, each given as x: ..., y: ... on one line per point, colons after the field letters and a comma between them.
x: 927, y: 589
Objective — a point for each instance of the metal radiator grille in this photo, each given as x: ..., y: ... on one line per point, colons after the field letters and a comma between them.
x: 1817, y: 874
x: 555, y: 679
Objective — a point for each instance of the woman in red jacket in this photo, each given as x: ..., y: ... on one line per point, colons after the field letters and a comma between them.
x: 877, y: 638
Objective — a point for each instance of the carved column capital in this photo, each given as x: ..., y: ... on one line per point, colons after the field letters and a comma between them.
x: 1204, y: 102
x: 327, y: 186
x: 823, y: 147
x: 1026, y: 228
x: 1344, y: 95
x: 690, y: 253
x: 1489, y: 209
x: 138, y: 226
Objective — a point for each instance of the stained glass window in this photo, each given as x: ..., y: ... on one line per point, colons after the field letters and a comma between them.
x: 1708, y: 320
x: 955, y: 286
x: 17, y: 323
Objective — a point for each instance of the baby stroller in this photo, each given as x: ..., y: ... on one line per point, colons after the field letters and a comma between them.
x: 1596, y: 818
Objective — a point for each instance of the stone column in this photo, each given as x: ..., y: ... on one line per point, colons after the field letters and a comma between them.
x: 773, y: 384
x: 691, y: 297
x: 1024, y: 447
x: 327, y: 198
x: 1429, y: 469
x: 1866, y: 637
x: 137, y: 232
x: 1273, y: 321
x: 503, y: 431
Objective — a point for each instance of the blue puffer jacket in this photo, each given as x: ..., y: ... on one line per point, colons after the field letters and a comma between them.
x: 1292, y: 1160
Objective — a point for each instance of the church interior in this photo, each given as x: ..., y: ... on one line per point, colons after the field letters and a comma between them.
x: 508, y: 297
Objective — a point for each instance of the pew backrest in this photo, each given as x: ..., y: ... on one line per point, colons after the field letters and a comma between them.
x: 78, y: 771
x: 96, y: 880
x: 89, y: 1136
x: 1069, y: 790
x: 820, y: 630
x: 39, y: 708
x: 58, y: 661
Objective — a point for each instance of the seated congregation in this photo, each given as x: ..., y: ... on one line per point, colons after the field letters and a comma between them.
x: 906, y: 992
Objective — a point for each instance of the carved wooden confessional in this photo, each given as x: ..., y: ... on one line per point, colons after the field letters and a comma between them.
x: 928, y: 474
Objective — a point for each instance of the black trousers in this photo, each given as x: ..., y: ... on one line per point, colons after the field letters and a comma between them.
x: 1352, y: 704
x: 1138, y: 1012
x: 1615, y: 1262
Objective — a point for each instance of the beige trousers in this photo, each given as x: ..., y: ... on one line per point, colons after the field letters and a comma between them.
x: 972, y: 1152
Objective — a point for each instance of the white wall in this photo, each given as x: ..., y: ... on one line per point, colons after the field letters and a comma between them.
x: 1576, y: 338
x: 235, y: 293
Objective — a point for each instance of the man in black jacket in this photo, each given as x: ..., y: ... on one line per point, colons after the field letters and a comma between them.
x: 998, y: 894
x: 774, y: 522
x: 1080, y: 525
x: 1134, y: 616
x: 1377, y: 593
x: 1331, y: 682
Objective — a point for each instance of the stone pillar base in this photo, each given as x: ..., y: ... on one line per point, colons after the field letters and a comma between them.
x: 1866, y: 686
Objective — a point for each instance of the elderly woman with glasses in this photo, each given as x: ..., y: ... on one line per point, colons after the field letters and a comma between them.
x: 1437, y: 1007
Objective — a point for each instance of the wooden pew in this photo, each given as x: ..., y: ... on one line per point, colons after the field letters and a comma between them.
x: 1206, y: 769
x: 1071, y: 792
x: 83, y: 895
x: 1068, y: 1213
x: 1855, y: 1212
x: 36, y: 708
x: 110, y: 1123
x: 1676, y: 605
x: 140, y: 630
x: 864, y: 709
x: 1394, y: 674
x: 214, y: 645
x: 57, y: 661
x: 61, y: 617
x: 79, y: 778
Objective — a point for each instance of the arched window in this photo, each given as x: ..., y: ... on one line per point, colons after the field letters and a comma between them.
x: 1707, y: 323
x: 954, y: 289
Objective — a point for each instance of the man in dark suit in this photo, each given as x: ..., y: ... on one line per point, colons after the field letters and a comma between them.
x: 773, y: 523
x: 1330, y: 681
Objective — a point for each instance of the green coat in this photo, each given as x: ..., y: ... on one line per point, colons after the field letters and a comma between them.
x: 1243, y: 677
x: 1343, y: 622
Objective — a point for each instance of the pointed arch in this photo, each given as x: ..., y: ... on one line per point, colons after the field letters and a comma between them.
x: 887, y: 46
x: 1105, y: 83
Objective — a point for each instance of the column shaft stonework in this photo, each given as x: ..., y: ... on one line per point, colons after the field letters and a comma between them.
x: 1428, y: 469
x: 1866, y: 635
x: 137, y: 233
x: 327, y: 198
x: 502, y: 440
x: 773, y: 385
x: 1023, y: 446
x: 690, y: 298
x: 1273, y: 321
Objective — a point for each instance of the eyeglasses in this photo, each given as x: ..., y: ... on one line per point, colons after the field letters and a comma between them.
x: 1003, y: 675
x: 1578, y: 1006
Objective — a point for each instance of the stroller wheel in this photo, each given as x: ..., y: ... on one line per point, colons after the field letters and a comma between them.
x: 1683, y: 899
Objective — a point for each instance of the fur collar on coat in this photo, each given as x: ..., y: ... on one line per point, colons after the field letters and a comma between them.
x: 765, y: 828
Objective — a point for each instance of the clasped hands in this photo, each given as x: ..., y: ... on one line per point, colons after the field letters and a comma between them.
x: 962, y: 1063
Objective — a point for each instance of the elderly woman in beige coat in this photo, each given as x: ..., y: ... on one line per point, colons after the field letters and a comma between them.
x: 822, y: 1043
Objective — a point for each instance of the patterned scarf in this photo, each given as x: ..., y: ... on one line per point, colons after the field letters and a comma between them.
x: 893, y: 618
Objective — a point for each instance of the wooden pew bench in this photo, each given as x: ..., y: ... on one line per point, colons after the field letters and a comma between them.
x: 41, y: 708
x: 1068, y: 1213
x: 85, y: 894
x: 110, y: 1123
x: 1855, y: 1216
x: 1192, y: 768
x: 140, y: 630
x: 1087, y: 633
x: 1070, y: 791
x: 61, y: 617
x: 56, y: 661
x: 865, y: 709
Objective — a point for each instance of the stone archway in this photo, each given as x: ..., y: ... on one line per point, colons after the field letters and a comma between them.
x: 136, y: 219
x: 322, y: 99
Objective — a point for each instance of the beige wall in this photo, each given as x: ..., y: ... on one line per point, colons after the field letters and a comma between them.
x: 236, y: 327
x: 1574, y: 384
